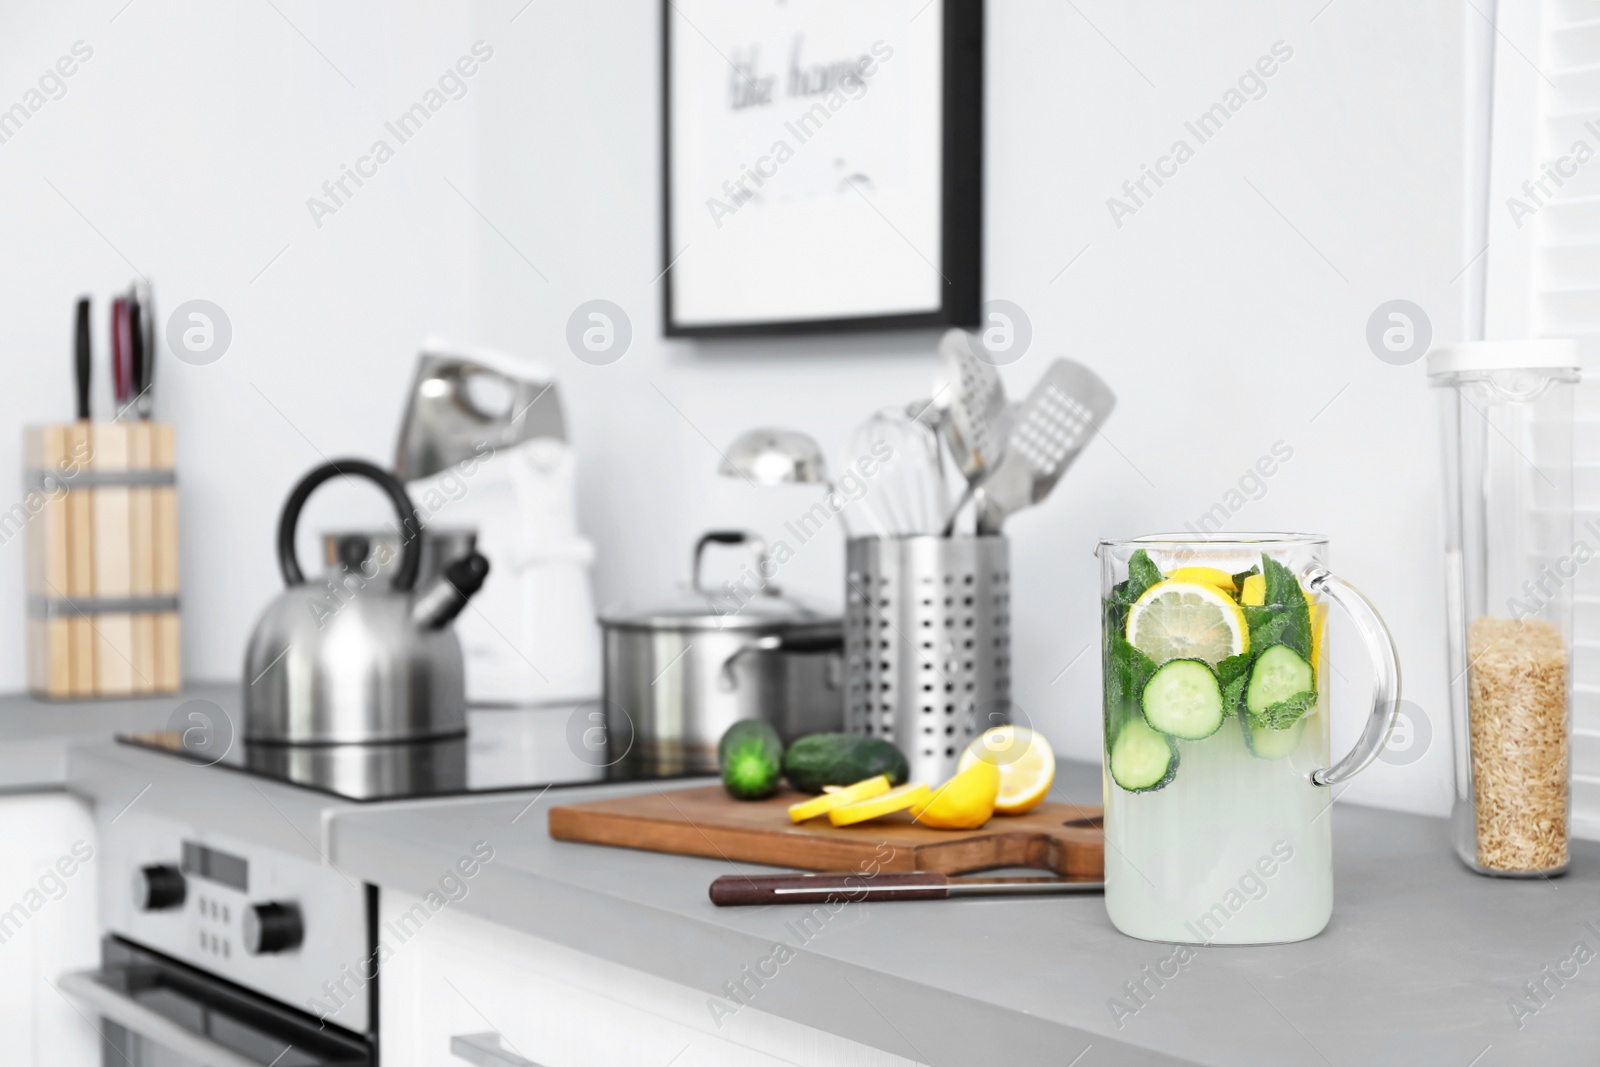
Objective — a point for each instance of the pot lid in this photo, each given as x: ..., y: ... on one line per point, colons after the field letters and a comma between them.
x: 690, y: 608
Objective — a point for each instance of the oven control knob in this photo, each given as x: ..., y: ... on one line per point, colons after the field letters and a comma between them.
x: 272, y: 928
x: 157, y: 888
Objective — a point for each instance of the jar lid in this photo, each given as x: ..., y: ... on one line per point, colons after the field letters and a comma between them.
x: 1556, y: 354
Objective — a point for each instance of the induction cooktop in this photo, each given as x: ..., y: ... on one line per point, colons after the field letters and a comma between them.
x: 504, y: 749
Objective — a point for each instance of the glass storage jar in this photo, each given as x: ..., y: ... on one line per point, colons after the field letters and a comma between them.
x: 1511, y: 564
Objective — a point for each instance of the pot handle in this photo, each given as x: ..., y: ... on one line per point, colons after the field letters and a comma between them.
x: 410, y: 526
x: 802, y: 644
x: 729, y: 537
x: 1385, y: 674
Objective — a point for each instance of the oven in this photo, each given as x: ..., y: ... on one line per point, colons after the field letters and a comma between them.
x: 222, y: 951
x: 156, y: 1012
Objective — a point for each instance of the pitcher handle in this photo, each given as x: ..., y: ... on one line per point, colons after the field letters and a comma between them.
x: 1385, y: 674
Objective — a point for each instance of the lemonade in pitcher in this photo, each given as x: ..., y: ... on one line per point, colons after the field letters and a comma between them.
x: 1216, y: 738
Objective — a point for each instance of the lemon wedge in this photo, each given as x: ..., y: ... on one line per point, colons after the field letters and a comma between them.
x: 1187, y: 620
x: 899, y: 798
x: 1319, y: 618
x: 1026, y: 762
x: 965, y: 802
x: 1205, y: 576
x: 838, y: 797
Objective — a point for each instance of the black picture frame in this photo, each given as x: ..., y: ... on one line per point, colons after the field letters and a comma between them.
x: 961, y: 194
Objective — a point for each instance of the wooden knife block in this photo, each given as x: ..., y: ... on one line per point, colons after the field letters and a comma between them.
x: 101, y: 515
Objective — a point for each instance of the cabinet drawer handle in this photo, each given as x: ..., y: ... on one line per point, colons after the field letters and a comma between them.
x: 486, y: 1050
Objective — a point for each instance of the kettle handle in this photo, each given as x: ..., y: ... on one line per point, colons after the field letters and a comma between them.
x: 410, y: 526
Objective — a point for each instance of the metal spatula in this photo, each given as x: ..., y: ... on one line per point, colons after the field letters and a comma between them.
x: 1066, y: 408
x: 978, y: 419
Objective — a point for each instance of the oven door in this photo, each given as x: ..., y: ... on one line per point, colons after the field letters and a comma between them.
x: 155, y: 1012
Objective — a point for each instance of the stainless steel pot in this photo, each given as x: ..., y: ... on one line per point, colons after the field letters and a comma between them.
x: 679, y: 673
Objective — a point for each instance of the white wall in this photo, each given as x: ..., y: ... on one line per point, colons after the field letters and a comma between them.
x: 1227, y: 313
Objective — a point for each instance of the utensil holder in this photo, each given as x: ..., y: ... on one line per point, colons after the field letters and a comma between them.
x: 927, y: 644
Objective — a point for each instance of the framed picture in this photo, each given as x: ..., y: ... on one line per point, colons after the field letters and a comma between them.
x: 822, y: 165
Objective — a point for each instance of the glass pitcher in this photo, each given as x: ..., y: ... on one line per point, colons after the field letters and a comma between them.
x: 1217, y: 777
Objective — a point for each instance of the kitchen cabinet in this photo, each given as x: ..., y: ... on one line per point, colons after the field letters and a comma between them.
x: 461, y: 990
x: 48, y: 927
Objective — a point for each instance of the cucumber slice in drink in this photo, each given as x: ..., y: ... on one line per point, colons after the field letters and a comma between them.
x: 1279, y: 675
x: 1267, y: 743
x: 1142, y: 760
x: 1183, y: 699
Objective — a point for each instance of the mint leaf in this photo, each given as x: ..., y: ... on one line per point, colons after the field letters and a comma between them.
x: 1126, y: 672
x: 1285, y: 618
x: 1232, y: 673
x: 1238, y: 579
x: 1232, y: 667
x: 1142, y: 574
x: 1283, y: 588
x: 1285, y: 713
x: 1233, y: 695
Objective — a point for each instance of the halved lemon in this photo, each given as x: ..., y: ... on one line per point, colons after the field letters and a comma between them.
x: 1205, y: 576
x: 965, y: 802
x: 838, y: 796
x: 1027, y: 766
x: 1187, y: 620
x: 899, y: 798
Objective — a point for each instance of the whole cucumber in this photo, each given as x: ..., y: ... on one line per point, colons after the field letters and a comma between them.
x: 750, y: 755
x: 842, y: 759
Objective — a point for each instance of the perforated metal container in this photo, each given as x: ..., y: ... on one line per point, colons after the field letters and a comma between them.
x: 927, y: 644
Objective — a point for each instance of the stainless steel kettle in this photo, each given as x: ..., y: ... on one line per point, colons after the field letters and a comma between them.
x: 353, y: 658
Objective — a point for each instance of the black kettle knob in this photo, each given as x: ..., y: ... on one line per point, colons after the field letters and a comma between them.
x: 353, y: 550
x: 272, y: 928
x: 158, y: 887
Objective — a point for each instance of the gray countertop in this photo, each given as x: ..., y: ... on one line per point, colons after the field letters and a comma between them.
x: 35, y: 734
x: 1416, y: 967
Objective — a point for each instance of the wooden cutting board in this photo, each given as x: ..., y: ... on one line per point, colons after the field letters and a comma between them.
x: 705, y: 821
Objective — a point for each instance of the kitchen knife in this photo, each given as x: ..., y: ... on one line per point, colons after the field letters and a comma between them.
x: 82, y: 365
x: 734, y: 890
x: 135, y: 352
x: 120, y: 382
x: 144, y: 297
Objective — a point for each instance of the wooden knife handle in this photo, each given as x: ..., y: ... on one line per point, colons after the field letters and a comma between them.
x: 733, y: 890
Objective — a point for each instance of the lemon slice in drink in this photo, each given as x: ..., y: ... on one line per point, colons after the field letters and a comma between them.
x: 1187, y: 620
x: 1205, y: 576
